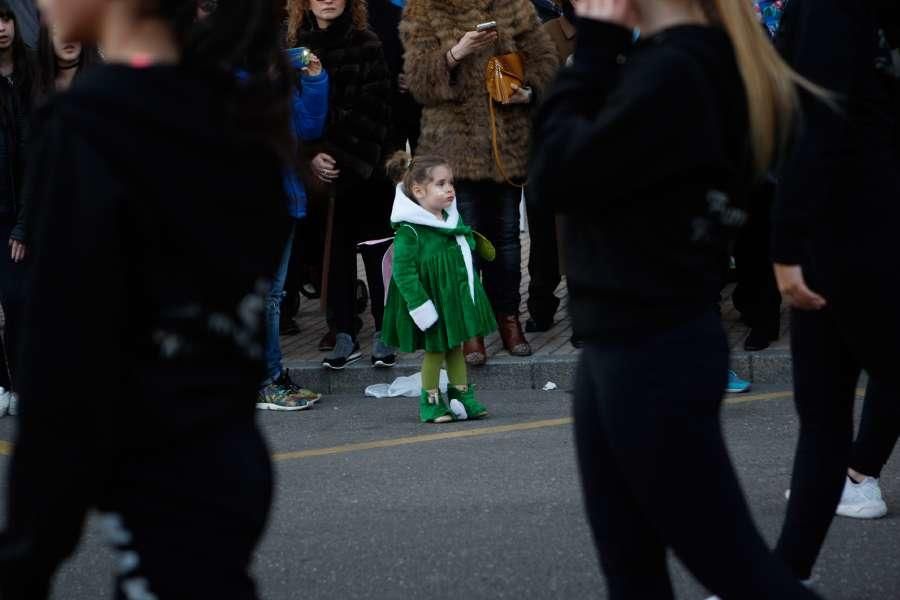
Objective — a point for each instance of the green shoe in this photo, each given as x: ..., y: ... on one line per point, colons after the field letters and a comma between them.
x: 470, y: 408
x: 436, y: 412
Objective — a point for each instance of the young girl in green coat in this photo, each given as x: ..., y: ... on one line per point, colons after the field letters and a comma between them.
x: 435, y: 300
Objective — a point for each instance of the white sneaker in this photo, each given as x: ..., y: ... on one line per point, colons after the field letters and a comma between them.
x: 4, y: 402
x: 13, y: 404
x: 862, y: 500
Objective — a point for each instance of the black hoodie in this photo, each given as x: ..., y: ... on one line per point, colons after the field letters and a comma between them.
x: 839, y: 189
x: 154, y: 228
x: 645, y: 148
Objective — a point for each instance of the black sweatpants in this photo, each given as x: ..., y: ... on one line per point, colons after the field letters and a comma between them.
x: 342, y: 270
x: 649, y: 446
x: 829, y: 356
x: 189, y: 519
x: 879, y: 429
x: 184, y: 518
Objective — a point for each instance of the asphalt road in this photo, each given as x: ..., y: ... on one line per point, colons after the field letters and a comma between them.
x: 496, y: 514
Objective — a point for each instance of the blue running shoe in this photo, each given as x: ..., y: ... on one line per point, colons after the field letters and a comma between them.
x: 736, y: 385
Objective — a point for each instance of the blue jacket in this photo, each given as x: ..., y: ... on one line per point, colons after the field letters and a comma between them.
x: 309, y: 112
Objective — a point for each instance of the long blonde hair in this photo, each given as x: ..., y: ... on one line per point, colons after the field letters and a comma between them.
x: 771, y: 84
x: 296, y: 10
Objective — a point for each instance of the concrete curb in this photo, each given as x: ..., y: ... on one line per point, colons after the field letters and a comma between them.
x: 505, y: 373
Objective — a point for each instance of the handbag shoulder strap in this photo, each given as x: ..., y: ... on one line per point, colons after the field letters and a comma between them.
x: 495, y: 146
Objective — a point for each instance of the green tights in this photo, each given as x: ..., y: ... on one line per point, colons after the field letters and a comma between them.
x: 456, y: 368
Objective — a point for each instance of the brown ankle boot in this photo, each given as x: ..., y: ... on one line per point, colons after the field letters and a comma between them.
x: 511, y: 333
x: 474, y: 352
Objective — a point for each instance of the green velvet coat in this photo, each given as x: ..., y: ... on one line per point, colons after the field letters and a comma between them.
x: 432, y: 285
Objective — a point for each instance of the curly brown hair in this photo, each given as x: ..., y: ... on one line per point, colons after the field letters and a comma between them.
x: 297, y: 12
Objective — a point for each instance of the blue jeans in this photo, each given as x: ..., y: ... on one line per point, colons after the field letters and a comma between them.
x: 273, y: 313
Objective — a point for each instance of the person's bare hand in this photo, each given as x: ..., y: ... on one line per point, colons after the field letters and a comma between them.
x: 17, y: 251
x: 325, y: 167
x: 472, y: 42
x: 618, y: 12
x: 793, y: 288
x: 314, y: 68
x: 402, y: 83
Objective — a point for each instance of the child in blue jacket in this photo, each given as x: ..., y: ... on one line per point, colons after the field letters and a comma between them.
x: 310, y: 109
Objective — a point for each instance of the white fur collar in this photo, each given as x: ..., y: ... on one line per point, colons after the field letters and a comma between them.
x: 407, y: 210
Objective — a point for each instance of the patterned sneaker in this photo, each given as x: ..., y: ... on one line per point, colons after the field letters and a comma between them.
x: 279, y: 397
x: 383, y: 356
x: 346, y: 352
x: 308, y: 395
x: 862, y: 500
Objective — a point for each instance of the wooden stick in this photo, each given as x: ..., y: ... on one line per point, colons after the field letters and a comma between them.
x: 326, y: 258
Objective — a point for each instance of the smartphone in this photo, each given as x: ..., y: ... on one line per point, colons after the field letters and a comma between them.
x: 489, y: 26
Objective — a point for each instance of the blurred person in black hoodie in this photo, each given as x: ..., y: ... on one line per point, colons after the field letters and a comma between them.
x: 834, y: 226
x: 160, y: 186
x: 648, y: 148
x: 17, y: 72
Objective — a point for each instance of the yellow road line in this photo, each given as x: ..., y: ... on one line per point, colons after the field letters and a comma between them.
x: 6, y: 447
x: 773, y: 396
x: 757, y: 397
x: 421, y: 439
x: 453, y: 435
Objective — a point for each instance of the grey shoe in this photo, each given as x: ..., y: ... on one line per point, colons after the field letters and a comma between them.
x: 346, y: 352
x: 383, y: 356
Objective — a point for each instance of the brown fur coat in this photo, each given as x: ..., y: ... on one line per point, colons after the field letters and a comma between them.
x: 456, y: 122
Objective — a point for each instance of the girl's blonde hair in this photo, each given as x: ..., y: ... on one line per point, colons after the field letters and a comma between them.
x: 296, y: 9
x: 408, y: 171
x: 771, y: 84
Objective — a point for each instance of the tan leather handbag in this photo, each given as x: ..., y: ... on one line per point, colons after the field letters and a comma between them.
x: 502, y: 73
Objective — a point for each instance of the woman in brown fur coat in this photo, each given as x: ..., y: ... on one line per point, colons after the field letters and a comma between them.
x: 445, y: 68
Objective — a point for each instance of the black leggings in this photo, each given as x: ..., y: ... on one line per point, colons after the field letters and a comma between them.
x: 12, y: 298
x: 879, y: 430
x: 183, y: 519
x: 649, y: 445
x: 828, y: 361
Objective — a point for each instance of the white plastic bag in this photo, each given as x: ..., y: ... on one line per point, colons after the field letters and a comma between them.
x: 410, y: 387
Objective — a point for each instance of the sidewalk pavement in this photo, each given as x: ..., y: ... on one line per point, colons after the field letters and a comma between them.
x: 553, y: 361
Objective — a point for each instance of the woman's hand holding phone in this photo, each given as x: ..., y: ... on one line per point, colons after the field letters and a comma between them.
x: 472, y: 42
x: 314, y: 68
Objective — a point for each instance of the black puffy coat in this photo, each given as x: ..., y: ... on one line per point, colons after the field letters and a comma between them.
x: 360, y: 104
